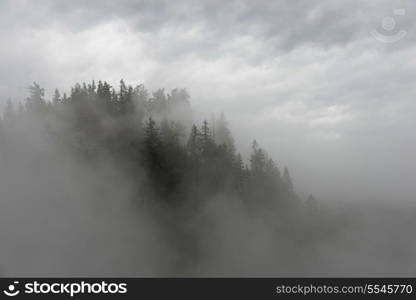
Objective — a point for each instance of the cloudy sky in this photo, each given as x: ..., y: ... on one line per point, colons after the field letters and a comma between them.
x: 325, y: 86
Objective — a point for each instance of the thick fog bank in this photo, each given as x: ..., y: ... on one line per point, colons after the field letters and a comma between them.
x: 106, y: 183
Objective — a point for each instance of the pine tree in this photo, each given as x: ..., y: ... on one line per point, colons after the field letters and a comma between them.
x: 125, y: 99
x: 240, y: 173
x: 56, y: 99
x: 36, y: 100
x: 258, y: 160
x: 207, y: 144
x: 223, y: 135
x: 152, y: 137
x: 158, y: 103
x: 92, y: 90
x: 178, y: 102
x: 140, y: 99
x: 171, y: 133
x: 101, y: 120
x: 287, y: 181
x: 194, y: 143
x: 105, y: 96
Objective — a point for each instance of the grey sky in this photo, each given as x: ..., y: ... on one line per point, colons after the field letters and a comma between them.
x: 304, y: 77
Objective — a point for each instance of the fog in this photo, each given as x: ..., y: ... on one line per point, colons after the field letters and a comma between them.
x: 307, y: 80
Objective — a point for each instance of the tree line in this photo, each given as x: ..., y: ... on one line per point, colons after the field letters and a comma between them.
x: 153, y: 139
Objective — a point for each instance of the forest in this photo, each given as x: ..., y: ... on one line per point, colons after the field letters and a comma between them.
x: 123, y: 182
x: 152, y: 135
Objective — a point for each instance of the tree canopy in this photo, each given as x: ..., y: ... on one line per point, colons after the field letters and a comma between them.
x: 145, y: 131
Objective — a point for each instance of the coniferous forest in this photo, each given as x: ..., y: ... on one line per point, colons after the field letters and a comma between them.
x: 121, y: 181
x: 151, y: 137
x: 144, y: 150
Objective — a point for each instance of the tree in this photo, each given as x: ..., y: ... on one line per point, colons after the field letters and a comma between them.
x: 123, y: 88
x: 126, y: 99
x: 193, y: 145
x: 178, y: 103
x: 223, y: 135
x: 171, y: 133
x: 178, y: 98
x: 140, y: 98
x: 240, y: 173
x: 258, y: 160
x: 56, y: 99
x: 239, y: 163
x: 152, y: 137
x: 287, y: 181
x: 272, y: 171
x: 105, y: 96
x: 92, y: 89
x: 158, y: 102
x: 207, y: 145
x: 98, y: 120
x: 36, y: 97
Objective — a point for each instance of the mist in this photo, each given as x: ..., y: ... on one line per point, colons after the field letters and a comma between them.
x: 322, y: 98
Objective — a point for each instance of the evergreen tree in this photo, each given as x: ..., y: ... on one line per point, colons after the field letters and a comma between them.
x: 158, y: 102
x: 287, y: 181
x: 152, y: 137
x: 240, y: 174
x: 178, y: 98
x: 56, y: 99
x: 258, y: 160
x: 97, y: 120
x: 36, y: 100
x: 193, y: 144
x: 207, y: 144
x: 223, y: 135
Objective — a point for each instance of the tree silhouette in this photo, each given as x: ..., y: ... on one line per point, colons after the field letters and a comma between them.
x: 148, y: 134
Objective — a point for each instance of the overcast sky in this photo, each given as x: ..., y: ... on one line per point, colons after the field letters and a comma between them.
x: 326, y: 86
